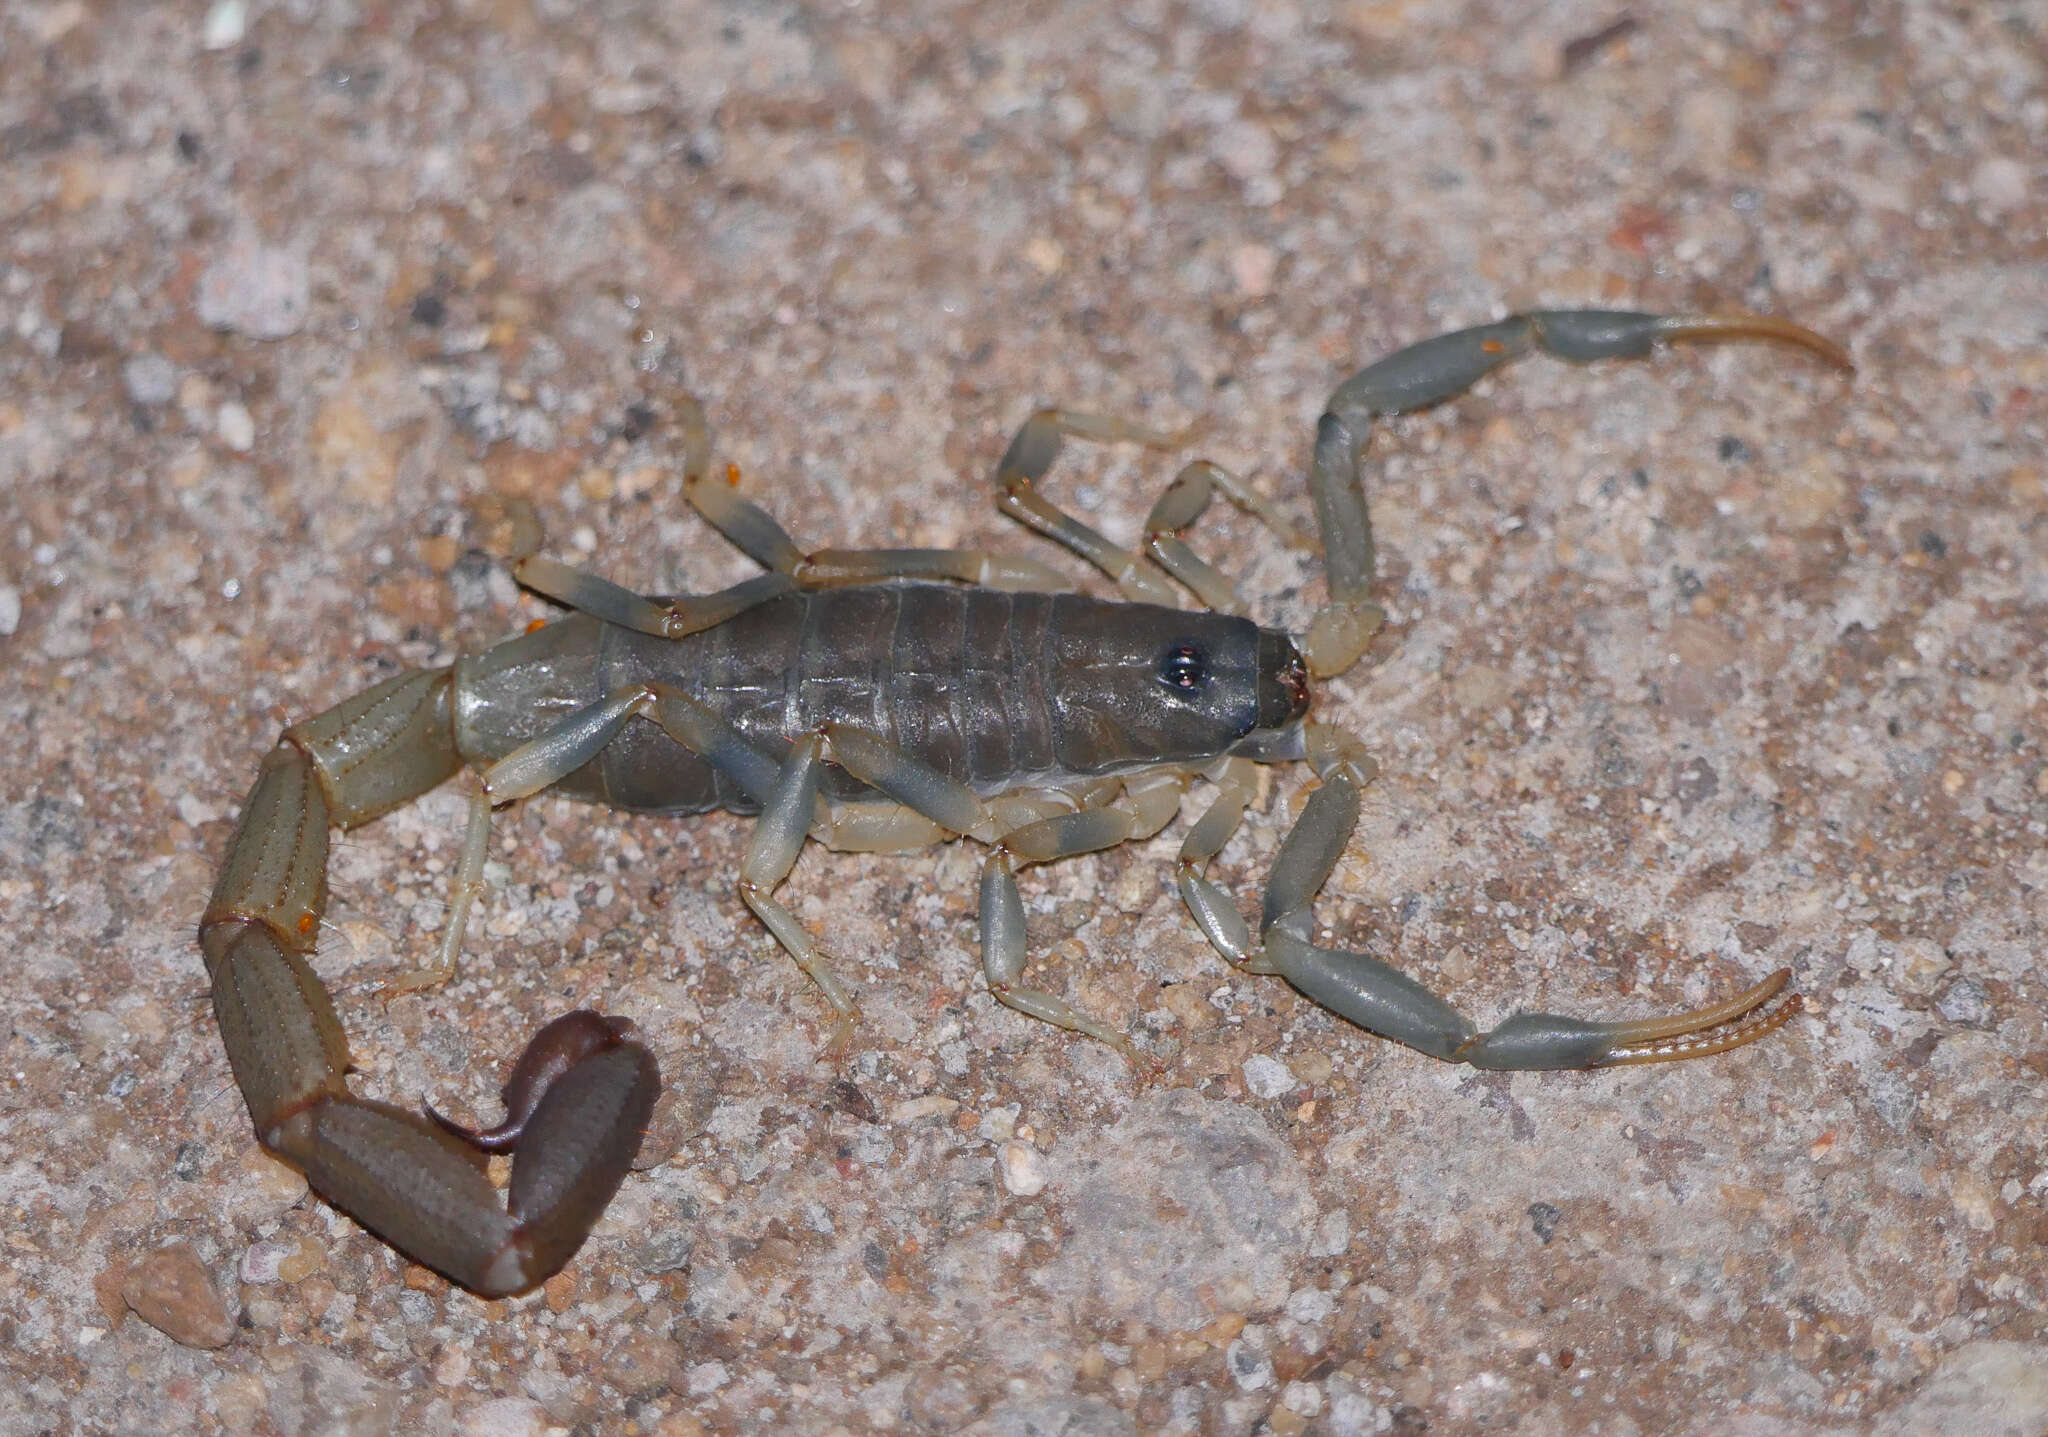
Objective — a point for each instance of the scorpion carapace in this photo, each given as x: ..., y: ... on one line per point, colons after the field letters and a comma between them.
x: 873, y: 700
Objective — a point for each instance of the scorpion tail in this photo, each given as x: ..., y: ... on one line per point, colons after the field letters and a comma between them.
x: 579, y: 1100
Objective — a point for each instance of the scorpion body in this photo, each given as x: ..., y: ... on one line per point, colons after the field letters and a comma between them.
x: 872, y: 700
x: 998, y: 690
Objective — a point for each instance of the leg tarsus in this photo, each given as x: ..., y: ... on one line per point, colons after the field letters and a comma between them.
x: 1003, y: 951
x: 463, y: 889
x: 772, y: 850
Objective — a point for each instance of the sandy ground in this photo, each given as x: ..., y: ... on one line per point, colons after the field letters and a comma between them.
x: 1696, y: 668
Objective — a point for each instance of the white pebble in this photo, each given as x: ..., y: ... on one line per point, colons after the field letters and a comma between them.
x: 707, y: 1377
x: 236, y: 426
x: 226, y: 24
x: 1310, y: 1304
x: 2000, y: 184
x: 1023, y: 1168
x: 1267, y: 1077
x: 10, y: 610
x: 1304, y: 1399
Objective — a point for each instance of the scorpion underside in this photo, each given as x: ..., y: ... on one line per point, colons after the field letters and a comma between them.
x: 874, y: 700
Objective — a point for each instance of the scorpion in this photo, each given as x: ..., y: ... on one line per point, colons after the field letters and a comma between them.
x: 874, y: 700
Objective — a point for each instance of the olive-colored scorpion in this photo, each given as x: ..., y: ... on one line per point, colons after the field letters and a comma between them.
x: 874, y: 700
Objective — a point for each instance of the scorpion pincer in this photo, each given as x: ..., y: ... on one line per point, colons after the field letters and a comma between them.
x: 874, y: 700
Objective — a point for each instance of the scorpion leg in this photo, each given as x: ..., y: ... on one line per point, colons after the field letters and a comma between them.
x: 1146, y: 808
x: 402, y: 1176
x: 1178, y: 508
x: 1031, y: 453
x: 665, y: 619
x: 1139, y: 812
x: 546, y: 759
x: 778, y: 837
x: 756, y: 533
x: 833, y: 568
x: 1139, y: 808
x: 1435, y: 370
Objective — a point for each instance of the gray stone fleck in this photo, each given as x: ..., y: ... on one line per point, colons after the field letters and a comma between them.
x: 707, y: 1377
x: 1267, y: 1077
x: 150, y: 379
x: 667, y: 1248
x: 1249, y: 1367
x: 1966, y: 1002
x: 1333, y: 1233
x: 1693, y: 781
x: 1894, y: 1097
x: 505, y: 1417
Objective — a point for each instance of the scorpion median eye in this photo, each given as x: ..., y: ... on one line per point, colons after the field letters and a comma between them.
x: 1183, y: 667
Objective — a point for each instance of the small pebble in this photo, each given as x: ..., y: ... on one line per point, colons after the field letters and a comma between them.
x: 1303, y: 1398
x: 1245, y: 148
x: 1966, y: 1002
x: 1253, y: 266
x: 1023, y: 1168
x: 1249, y: 1368
x: 306, y: 1258
x: 171, y: 1291
x: 707, y: 1377
x: 1267, y: 1077
x: 1310, y: 1304
x: 260, y: 1263
x: 226, y: 23
x: 10, y: 610
x: 2000, y: 184
x: 150, y: 379
x: 255, y: 289
x: 237, y: 427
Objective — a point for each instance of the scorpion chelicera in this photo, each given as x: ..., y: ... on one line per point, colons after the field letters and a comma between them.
x: 874, y: 700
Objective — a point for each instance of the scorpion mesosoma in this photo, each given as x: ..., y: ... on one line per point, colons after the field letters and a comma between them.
x: 874, y: 700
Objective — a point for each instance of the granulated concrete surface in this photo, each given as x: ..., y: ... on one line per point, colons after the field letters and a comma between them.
x: 1697, y: 667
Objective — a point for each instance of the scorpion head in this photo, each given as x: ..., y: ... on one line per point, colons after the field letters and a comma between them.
x: 1143, y: 685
